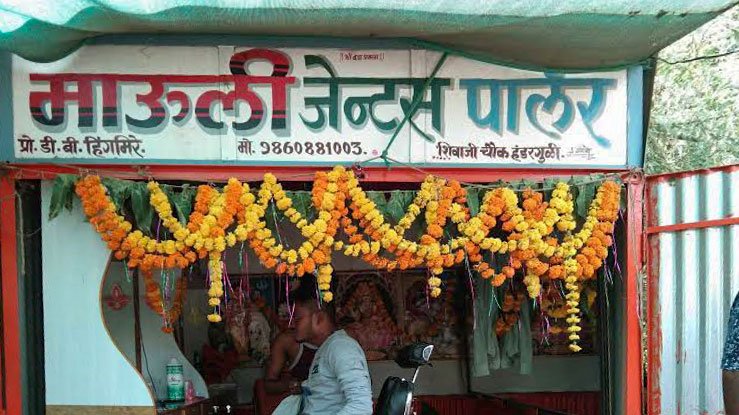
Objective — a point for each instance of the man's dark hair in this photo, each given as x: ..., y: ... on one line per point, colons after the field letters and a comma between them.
x: 307, y: 295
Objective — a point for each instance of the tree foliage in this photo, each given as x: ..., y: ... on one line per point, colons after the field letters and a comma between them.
x: 695, y: 109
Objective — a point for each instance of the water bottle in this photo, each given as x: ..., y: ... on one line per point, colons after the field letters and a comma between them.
x: 175, y: 381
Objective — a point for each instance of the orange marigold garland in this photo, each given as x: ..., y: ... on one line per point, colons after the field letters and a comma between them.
x: 593, y: 241
x: 509, y: 312
x: 341, y: 203
x: 102, y: 212
x: 380, y: 234
x: 497, y: 203
x: 153, y: 299
x: 561, y: 201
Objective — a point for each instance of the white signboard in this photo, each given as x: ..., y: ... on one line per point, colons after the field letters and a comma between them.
x: 243, y: 105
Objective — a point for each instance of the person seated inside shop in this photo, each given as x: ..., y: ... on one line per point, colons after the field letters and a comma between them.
x: 339, y: 381
x: 220, y: 356
x: 289, y: 360
x: 289, y: 363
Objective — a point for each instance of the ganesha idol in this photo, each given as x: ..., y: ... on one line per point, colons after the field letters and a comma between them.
x: 372, y: 326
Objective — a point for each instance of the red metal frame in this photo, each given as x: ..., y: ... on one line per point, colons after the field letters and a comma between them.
x: 11, y: 328
x: 654, y: 326
x: 693, y: 225
x: 654, y: 317
x: 221, y: 173
x: 633, y: 379
x: 689, y: 173
x: 634, y: 258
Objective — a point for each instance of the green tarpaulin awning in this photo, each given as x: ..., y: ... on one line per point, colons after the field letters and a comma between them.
x: 565, y: 34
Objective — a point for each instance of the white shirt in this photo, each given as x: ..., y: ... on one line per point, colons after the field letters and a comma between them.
x: 339, y: 381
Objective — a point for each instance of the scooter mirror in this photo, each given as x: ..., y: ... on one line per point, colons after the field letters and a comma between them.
x: 414, y: 355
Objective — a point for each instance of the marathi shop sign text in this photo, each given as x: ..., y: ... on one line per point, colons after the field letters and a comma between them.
x: 267, y: 106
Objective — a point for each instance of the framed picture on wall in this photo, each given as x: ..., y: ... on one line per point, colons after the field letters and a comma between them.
x: 438, y: 321
x: 367, y: 308
x: 385, y: 311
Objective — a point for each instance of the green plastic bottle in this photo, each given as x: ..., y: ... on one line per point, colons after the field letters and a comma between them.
x: 175, y: 381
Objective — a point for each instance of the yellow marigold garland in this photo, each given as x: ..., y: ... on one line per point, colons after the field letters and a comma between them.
x: 341, y: 203
x: 593, y: 241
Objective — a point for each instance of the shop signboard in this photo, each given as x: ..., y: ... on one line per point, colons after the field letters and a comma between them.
x: 107, y: 104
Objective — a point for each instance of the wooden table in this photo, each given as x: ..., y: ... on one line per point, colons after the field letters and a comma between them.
x: 198, y: 407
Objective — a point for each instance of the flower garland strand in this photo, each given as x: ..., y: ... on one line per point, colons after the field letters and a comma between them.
x: 102, y: 213
x: 221, y: 219
x: 593, y: 241
x: 153, y: 299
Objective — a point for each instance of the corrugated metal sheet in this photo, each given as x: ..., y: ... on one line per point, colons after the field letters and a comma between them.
x: 542, y: 33
x: 693, y: 279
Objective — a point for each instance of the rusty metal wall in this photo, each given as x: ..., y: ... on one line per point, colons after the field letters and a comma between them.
x: 693, y: 277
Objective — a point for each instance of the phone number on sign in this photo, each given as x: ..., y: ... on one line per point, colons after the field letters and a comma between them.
x: 309, y: 147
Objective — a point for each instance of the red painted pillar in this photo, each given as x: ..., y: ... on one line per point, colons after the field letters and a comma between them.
x: 634, y: 264
x: 11, y: 326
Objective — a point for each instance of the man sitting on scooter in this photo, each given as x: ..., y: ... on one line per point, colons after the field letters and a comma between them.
x: 338, y: 382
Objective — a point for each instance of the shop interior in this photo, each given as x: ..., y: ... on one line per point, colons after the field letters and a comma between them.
x: 527, y: 365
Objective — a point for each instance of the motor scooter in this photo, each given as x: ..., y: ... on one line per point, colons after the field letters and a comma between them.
x: 396, y: 396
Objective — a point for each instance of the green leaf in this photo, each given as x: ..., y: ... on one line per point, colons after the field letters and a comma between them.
x: 524, y: 184
x: 380, y: 201
x: 473, y: 200
x: 585, y: 195
x: 142, y: 210
x: 417, y: 229
x: 62, y: 194
x: 549, y: 185
x: 624, y: 197
x: 182, y: 201
x: 586, y: 310
x: 398, y: 204
x: 271, y: 217
x: 69, y: 198
x: 119, y: 191
x: 302, y: 203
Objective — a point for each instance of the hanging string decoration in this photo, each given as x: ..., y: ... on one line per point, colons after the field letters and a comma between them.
x: 155, y: 301
x: 535, y: 238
